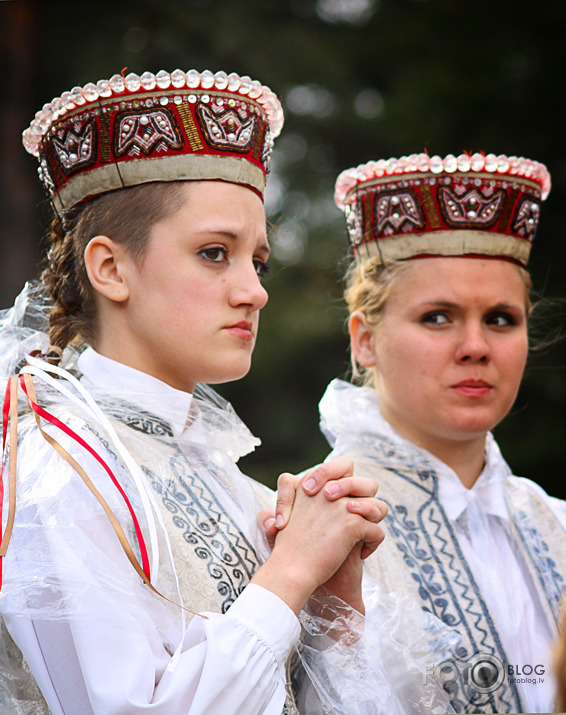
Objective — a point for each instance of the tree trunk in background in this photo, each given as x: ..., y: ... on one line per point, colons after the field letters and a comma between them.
x: 19, y: 193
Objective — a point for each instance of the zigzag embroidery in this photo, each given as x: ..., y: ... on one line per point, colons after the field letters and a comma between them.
x: 472, y: 698
x: 448, y: 559
x: 232, y: 560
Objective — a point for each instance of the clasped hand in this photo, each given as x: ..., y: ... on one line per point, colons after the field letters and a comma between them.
x: 328, y: 522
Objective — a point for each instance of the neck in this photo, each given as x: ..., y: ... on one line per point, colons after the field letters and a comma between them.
x: 465, y: 456
x: 113, y: 343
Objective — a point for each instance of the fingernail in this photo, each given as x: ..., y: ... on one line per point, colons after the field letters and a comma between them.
x: 279, y: 520
x: 355, y: 505
x: 309, y: 485
x: 331, y: 489
x: 268, y: 523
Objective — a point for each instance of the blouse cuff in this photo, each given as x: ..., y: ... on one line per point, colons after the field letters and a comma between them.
x: 266, y: 614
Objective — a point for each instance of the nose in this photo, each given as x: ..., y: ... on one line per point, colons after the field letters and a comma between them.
x: 248, y: 289
x: 472, y: 346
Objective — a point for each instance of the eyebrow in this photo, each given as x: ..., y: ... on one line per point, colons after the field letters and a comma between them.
x: 227, y: 233
x: 450, y: 304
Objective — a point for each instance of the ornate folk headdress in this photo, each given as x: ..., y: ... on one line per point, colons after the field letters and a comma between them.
x: 154, y: 127
x: 470, y: 205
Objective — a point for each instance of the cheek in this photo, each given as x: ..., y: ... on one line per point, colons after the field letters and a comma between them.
x: 192, y: 293
x: 515, y: 359
x: 408, y: 361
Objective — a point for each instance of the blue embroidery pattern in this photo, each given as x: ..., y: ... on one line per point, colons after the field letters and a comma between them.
x: 550, y: 579
x: 426, y: 540
x: 431, y: 552
x: 231, y: 559
x: 447, y: 589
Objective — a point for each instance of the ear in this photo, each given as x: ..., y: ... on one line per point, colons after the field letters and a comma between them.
x: 361, y: 339
x: 105, y: 264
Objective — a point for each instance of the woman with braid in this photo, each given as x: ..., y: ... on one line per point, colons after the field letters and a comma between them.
x: 121, y: 498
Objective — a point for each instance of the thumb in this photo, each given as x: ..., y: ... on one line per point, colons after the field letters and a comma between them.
x: 266, y: 519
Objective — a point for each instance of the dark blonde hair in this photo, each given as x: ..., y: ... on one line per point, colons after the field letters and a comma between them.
x: 369, y: 284
x: 126, y: 216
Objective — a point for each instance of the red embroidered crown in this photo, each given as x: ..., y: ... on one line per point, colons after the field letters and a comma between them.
x: 473, y: 204
x: 168, y: 126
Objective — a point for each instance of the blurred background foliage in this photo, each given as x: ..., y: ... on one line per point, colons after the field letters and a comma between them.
x: 360, y: 80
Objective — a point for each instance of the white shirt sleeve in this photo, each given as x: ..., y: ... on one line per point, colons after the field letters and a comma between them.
x: 227, y: 663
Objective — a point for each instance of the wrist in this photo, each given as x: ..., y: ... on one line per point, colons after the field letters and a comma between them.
x: 285, y: 579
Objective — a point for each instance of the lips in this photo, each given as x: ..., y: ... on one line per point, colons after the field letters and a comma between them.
x: 472, y: 388
x: 243, y: 330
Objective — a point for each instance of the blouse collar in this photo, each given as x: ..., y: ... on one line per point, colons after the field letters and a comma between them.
x: 146, y: 391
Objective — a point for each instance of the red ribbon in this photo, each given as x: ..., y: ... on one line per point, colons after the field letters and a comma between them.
x: 71, y: 433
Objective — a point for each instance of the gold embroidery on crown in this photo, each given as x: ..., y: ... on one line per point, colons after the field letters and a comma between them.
x: 190, y: 127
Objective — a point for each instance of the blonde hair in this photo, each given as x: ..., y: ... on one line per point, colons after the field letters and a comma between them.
x: 369, y: 284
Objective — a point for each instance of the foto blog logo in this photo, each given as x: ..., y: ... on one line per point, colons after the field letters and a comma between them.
x: 484, y: 673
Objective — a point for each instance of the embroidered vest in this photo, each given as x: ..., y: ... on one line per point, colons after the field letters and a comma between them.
x: 421, y: 557
x: 214, y: 559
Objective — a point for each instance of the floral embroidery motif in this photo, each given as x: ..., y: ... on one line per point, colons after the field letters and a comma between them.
x: 526, y: 219
x: 446, y: 587
x: 539, y: 553
x: 230, y: 558
x: 227, y: 128
x: 214, y: 537
x: 75, y: 147
x: 471, y: 207
x: 398, y: 212
x: 146, y: 131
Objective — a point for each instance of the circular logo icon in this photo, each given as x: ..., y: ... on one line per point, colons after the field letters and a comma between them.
x: 485, y: 673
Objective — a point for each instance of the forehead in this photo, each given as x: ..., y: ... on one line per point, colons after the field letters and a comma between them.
x: 460, y: 280
x: 222, y: 197
x: 218, y: 206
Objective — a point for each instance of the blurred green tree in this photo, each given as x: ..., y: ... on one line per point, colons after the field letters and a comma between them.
x: 360, y: 80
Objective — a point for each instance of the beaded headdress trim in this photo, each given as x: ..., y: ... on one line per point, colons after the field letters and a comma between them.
x: 164, y: 127
x: 415, y: 206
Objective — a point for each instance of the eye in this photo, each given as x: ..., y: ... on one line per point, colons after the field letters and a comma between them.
x: 215, y: 254
x: 261, y: 268
x: 436, y: 318
x: 501, y: 320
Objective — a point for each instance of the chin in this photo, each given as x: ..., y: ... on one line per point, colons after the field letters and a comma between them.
x: 479, y: 417
x: 228, y: 375
x: 471, y: 429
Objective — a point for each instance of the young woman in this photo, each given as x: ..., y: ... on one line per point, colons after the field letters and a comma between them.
x: 438, y: 297
x: 121, y: 497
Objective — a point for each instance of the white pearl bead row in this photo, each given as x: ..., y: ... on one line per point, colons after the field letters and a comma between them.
x: 415, y: 163
x: 133, y: 83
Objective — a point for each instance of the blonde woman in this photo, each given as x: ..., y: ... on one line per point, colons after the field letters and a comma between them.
x: 438, y: 296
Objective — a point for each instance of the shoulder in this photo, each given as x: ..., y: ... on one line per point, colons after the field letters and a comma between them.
x: 50, y: 460
x: 557, y: 506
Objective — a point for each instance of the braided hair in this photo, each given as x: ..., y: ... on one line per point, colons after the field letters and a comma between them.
x: 126, y: 216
